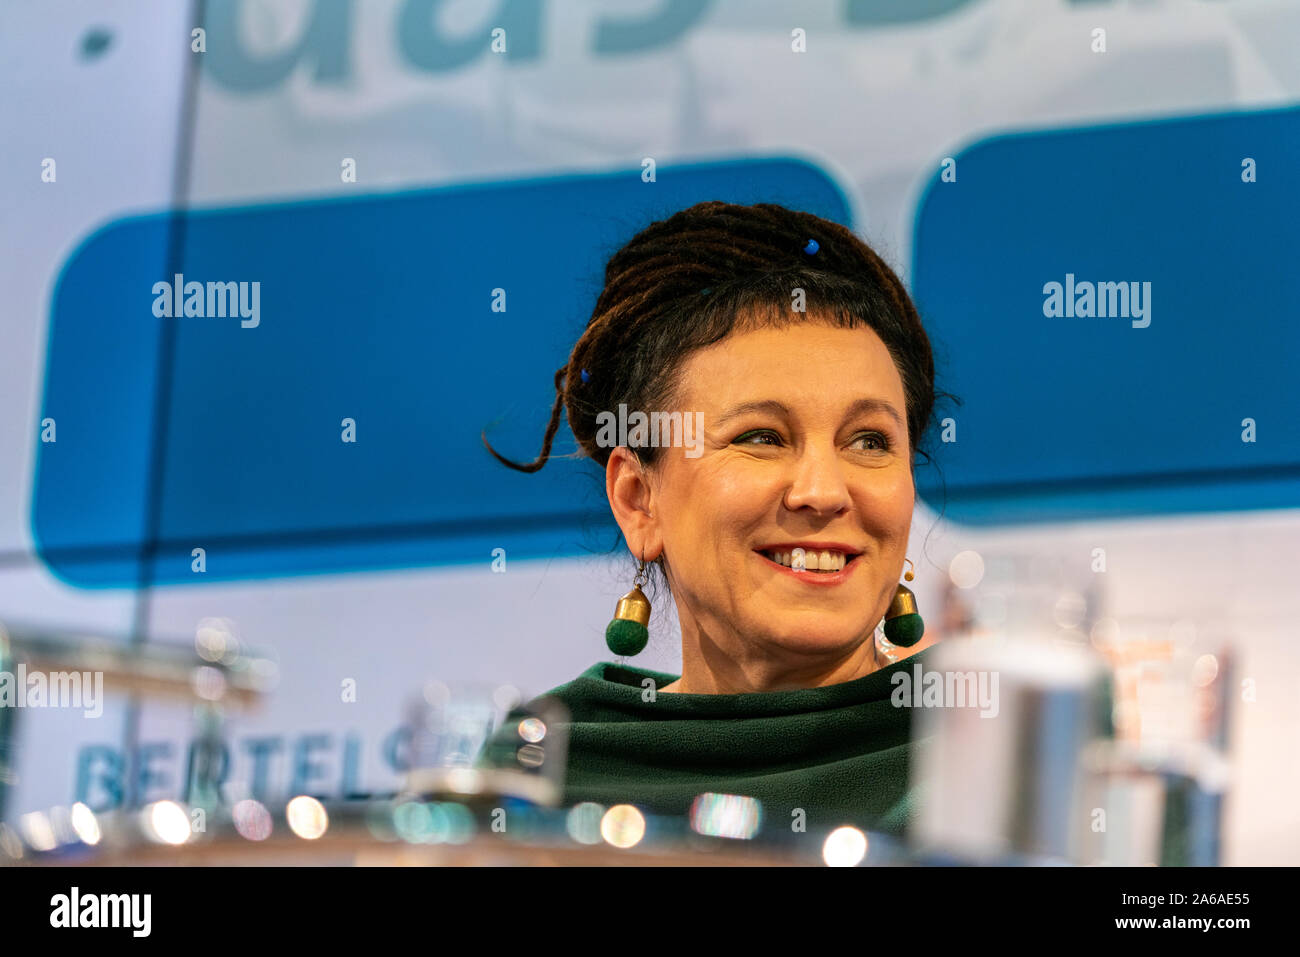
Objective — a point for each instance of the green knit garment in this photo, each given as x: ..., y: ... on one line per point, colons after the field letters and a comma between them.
x: 841, y: 753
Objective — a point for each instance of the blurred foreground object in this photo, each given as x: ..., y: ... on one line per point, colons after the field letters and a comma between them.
x: 215, y: 673
x: 1159, y: 787
x: 452, y: 729
x: 1078, y: 759
x: 1001, y: 780
x: 154, y: 670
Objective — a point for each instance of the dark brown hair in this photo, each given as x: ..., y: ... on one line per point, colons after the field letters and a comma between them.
x: 688, y: 281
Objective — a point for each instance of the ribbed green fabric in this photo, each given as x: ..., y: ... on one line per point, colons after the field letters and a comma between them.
x: 842, y: 753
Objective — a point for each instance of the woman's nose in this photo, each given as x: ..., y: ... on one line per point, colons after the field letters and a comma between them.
x: 817, y: 481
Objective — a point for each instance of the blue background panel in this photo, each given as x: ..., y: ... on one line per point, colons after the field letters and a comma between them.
x: 376, y: 308
x: 1079, y: 417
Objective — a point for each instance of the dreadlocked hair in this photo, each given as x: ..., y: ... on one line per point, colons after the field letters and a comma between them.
x: 688, y: 281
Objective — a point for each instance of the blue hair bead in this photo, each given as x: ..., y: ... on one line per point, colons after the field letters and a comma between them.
x: 706, y: 290
x: 812, y: 247
x: 586, y: 376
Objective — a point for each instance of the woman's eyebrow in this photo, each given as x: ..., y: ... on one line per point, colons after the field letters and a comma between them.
x: 778, y: 408
x: 877, y: 405
x: 765, y: 405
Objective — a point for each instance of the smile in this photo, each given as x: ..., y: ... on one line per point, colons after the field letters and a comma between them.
x: 813, y: 566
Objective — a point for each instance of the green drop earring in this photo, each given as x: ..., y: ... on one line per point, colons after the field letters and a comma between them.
x: 628, y: 633
x: 903, y: 624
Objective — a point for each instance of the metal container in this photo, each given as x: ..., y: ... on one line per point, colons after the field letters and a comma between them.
x: 1001, y: 781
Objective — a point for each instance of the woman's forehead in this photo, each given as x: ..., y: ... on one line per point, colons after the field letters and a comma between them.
x: 798, y: 358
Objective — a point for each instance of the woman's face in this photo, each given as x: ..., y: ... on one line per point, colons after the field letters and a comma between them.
x: 805, y: 444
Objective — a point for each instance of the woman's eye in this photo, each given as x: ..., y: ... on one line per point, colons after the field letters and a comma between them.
x: 768, y: 437
x: 882, y: 443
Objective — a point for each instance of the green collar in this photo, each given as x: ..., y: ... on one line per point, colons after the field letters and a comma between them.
x: 625, y: 685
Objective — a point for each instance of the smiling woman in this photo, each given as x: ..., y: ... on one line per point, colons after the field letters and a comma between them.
x: 781, y: 540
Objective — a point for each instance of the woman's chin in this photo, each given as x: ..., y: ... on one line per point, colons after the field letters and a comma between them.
x: 810, y: 637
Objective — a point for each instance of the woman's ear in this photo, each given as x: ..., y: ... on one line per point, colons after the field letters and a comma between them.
x: 631, y: 498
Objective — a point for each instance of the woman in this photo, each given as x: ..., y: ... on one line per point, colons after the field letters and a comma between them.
x: 780, y: 530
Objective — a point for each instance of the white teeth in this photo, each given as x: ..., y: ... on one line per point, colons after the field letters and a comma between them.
x: 800, y: 559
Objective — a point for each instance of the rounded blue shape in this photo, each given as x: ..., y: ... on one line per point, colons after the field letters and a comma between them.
x: 812, y: 247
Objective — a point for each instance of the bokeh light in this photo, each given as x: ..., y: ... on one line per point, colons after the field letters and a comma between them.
x: 209, y: 683
x: 583, y: 822
x: 844, y: 847
x: 1205, y: 670
x: 307, y: 817
x: 380, y: 820
x: 726, y: 815
x: 966, y: 570
x: 85, y: 825
x: 166, y: 822
x: 531, y: 755
x: 252, y: 820
x: 532, y: 730
x: 214, y: 640
x: 622, y: 826
x: 414, y: 823
x: 36, y: 830
x: 1069, y: 610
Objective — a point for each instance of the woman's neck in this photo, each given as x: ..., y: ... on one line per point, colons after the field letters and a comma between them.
x: 715, y: 673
